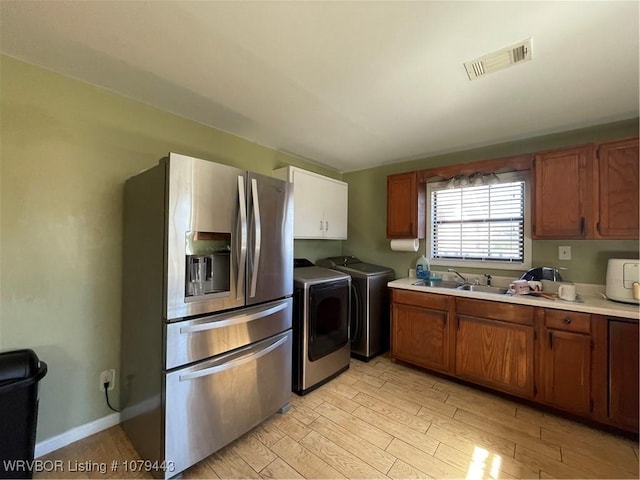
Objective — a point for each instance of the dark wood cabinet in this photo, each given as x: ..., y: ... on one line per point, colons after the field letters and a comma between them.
x: 420, y: 329
x: 565, y: 361
x: 588, y: 192
x: 623, y: 373
x: 494, y: 346
x: 561, y: 207
x: 618, y: 183
x: 581, y: 363
x: 405, y: 206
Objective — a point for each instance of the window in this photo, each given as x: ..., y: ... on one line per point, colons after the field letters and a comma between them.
x: 479, y: 224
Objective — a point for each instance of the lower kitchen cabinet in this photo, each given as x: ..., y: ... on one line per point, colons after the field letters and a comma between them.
x: 623, y: 374
x: 494, y: 345
x: 579, y: 363
x: 565, y: 360
x: 566, y: 373
x: 496, y: 354
x: 420, y: 329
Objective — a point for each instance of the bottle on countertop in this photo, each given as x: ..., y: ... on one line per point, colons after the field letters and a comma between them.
x: 423, y: 270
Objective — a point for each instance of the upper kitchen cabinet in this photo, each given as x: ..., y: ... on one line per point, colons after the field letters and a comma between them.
x: 405, y: 206
x: 562, y: 193
x: 588, y: 192
x: 617, y: 169
x: 319, y: 203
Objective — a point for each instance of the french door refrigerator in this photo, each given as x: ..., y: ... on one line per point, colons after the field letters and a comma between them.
x: 207, y: 308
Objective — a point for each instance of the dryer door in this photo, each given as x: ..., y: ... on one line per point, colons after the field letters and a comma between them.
x: 329, y: 310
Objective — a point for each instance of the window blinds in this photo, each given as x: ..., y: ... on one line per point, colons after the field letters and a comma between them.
x: 479, y: 222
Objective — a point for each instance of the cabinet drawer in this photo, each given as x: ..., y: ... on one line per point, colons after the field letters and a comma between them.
x: 568, y: 321
x: 213, y: 402
x: 505, y: 312
x: 420, y: 299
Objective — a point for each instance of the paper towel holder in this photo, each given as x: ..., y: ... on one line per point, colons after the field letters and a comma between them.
x: 404, y: 244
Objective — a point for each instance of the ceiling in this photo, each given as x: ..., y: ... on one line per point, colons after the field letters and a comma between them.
x: 349, y: 85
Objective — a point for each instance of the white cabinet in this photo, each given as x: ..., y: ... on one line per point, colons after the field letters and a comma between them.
x: 320, y: 204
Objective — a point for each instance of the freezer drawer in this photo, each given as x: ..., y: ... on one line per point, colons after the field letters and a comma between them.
x: 212, y: 403
x: 193, y: 340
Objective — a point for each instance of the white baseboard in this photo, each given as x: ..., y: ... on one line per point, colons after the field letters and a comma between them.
x: 54, y: 443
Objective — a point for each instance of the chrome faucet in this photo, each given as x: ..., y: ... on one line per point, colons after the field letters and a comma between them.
x: 458, y: 274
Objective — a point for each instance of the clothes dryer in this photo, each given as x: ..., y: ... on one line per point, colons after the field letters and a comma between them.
x: 321, y: 312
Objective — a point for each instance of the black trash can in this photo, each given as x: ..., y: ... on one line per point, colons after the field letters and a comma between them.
x: 20, y: 372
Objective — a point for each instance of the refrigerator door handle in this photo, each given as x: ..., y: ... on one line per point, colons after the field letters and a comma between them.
x: 257, y: 226
x: 201, y: 327
x: 223, y: 364
x: 243, y: 237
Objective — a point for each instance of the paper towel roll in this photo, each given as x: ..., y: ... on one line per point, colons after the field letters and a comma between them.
x: 405, y: 245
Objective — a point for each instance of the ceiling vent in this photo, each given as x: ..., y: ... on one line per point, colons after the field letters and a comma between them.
x: 492, y: 62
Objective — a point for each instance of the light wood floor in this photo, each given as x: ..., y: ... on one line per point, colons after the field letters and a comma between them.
x: 385, y: 420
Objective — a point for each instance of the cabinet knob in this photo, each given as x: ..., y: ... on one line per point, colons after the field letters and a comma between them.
x: 567, y: 321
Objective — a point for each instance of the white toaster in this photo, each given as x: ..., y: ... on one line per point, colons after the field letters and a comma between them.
x: 623, y: 280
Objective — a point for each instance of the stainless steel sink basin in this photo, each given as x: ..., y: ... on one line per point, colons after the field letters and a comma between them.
x: 460, y: 286
x: 437, y: 284
x: 483, y: 288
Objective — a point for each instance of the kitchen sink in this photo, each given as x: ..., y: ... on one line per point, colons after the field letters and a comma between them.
x: 438, y: 284
x: 483, y: 288
x: 461, y: 286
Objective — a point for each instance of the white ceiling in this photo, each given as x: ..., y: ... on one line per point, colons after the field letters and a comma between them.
x: 350, y: 85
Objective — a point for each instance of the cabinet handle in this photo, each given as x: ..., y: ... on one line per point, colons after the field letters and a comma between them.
x: 320, y: 225
x: 567, y: 321
x: 444, y: 323
x: 582, y: 225
x: 550, y: 339
x: 326, y: 226
x: 598, y: 227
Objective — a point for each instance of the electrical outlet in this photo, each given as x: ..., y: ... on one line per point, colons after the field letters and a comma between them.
x: 564, y: 253
x: 108, y: 376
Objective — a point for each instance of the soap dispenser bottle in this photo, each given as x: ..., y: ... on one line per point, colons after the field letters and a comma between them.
x: 423, y: 270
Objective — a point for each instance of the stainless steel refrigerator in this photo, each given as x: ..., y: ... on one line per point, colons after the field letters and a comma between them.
x: 207, y: 308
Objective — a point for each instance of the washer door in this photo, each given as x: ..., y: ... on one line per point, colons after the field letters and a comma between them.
x: 328, y: 318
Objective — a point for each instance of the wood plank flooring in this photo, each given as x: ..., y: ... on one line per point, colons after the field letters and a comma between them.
x: 385, y: 420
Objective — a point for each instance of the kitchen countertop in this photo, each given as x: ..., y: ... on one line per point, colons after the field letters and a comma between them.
x: 590, y: 304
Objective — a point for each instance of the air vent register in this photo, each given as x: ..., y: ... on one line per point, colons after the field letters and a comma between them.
x: 492, y: 62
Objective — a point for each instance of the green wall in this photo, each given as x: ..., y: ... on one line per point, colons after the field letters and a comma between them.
x: 367, y: 210
x: 66, y: 150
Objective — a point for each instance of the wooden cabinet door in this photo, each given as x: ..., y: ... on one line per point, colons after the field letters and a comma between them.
x: 335, y: 196
x: 420, y: 336
x: 618, y: 190
x: 405, y: 206
x: 623, y: 373
x: 561, y: 202
x: 566, y: 370
x: 496, y: 354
